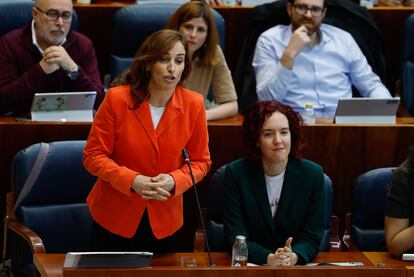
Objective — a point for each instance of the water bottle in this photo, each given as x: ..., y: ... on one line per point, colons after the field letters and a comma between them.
x: 239, y: 253
x: 308, y: 114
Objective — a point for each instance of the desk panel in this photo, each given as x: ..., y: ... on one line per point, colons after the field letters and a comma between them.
x: 410, y: 271
x: 384, y: 259
x: 167, y: 265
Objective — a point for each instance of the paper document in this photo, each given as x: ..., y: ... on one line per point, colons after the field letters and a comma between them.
x: 336, y: 264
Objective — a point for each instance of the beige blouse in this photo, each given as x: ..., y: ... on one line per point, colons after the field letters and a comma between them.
x: 217, y: 77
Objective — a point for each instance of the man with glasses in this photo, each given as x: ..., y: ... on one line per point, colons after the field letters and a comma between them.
x: 45, y: 56
x: 311, y: 62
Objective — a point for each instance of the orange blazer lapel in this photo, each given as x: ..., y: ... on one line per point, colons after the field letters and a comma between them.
x: 171, y: 113
x: 143, y: 115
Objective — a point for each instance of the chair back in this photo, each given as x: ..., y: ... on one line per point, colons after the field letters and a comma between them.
x: 15, y: 14
x: 327, y: 233
x: 214, y: 224
x: 408, y: 66
x: 368, y: 205
x: 133, y: 24
x: 55, y: 209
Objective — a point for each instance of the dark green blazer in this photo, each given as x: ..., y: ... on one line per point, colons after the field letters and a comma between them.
x: 300, y: 213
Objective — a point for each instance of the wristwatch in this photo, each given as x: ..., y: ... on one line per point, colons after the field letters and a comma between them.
x: 73, y: 74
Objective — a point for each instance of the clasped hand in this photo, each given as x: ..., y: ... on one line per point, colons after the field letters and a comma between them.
x: 283, y: 255
x: 300, y: 39
x: 154, y: 188
x: 56, y: 57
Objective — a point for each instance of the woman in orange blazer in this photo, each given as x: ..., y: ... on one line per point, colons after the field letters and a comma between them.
x: 135, y: 149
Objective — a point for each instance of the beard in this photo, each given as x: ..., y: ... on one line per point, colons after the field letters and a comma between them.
x: 310, y: 25
x: 56, y: 36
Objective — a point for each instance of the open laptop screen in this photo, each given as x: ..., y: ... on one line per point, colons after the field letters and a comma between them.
x: 367, y: 110
x: 63, y: 106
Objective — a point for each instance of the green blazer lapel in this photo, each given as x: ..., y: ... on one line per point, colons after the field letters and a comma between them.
x: 258, y: 185
x: 291, y: 186
x: 143, y: 114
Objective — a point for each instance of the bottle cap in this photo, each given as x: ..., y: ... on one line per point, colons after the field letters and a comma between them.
x: 309, y: 105
x: 240, y: 239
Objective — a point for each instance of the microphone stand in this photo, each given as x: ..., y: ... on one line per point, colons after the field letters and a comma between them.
x: 187, y: 161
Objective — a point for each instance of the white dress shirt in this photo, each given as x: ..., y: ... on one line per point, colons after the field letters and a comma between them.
x: 321, y: 75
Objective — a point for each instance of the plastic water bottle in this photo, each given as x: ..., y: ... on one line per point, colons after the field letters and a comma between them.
x: 239, y: 253
x: 308, y: 114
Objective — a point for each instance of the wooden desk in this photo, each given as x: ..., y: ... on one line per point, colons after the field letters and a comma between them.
x: 51, y: 265
x: 344, y: 151
x: 410, y: 271
x: 384, y: 259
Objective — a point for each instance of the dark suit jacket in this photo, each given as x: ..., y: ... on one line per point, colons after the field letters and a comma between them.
x: 300, y: 214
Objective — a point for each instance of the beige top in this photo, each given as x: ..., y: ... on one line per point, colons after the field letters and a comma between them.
x: 217, y: 77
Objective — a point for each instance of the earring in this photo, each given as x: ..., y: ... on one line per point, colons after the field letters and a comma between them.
x: 147, y: 70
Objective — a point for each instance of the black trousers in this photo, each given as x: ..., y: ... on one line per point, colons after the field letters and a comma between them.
x: 143, y: 240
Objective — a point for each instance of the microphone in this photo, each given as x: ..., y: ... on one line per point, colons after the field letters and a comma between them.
x: 187, y: 161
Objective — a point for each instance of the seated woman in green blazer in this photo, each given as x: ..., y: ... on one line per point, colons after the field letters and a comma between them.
x: 273, y: 196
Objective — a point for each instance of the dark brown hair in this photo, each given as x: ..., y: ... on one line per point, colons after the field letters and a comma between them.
x: 195, y: 9
x: 255, y: 118
x: 150, y: 52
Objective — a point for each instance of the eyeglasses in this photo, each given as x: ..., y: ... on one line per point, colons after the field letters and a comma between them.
x: 303, y: 9
x: 53, y: 15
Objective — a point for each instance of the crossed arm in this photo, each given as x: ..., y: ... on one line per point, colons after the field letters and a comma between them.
x: 399, y: 235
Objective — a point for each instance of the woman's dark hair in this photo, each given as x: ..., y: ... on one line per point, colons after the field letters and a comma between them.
x: 207, y: 54
x: 408, y: 165
x: 254, y: 120
x: 150, y: 52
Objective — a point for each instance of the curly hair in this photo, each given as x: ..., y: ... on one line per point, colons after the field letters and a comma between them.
x: 256, y: 117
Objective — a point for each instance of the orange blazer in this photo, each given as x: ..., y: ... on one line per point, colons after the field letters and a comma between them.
x: 123, y: 143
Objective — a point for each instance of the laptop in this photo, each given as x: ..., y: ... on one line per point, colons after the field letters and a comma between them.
x: 63, y: 106
x: 107, y: 259
x: 367, y: 111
